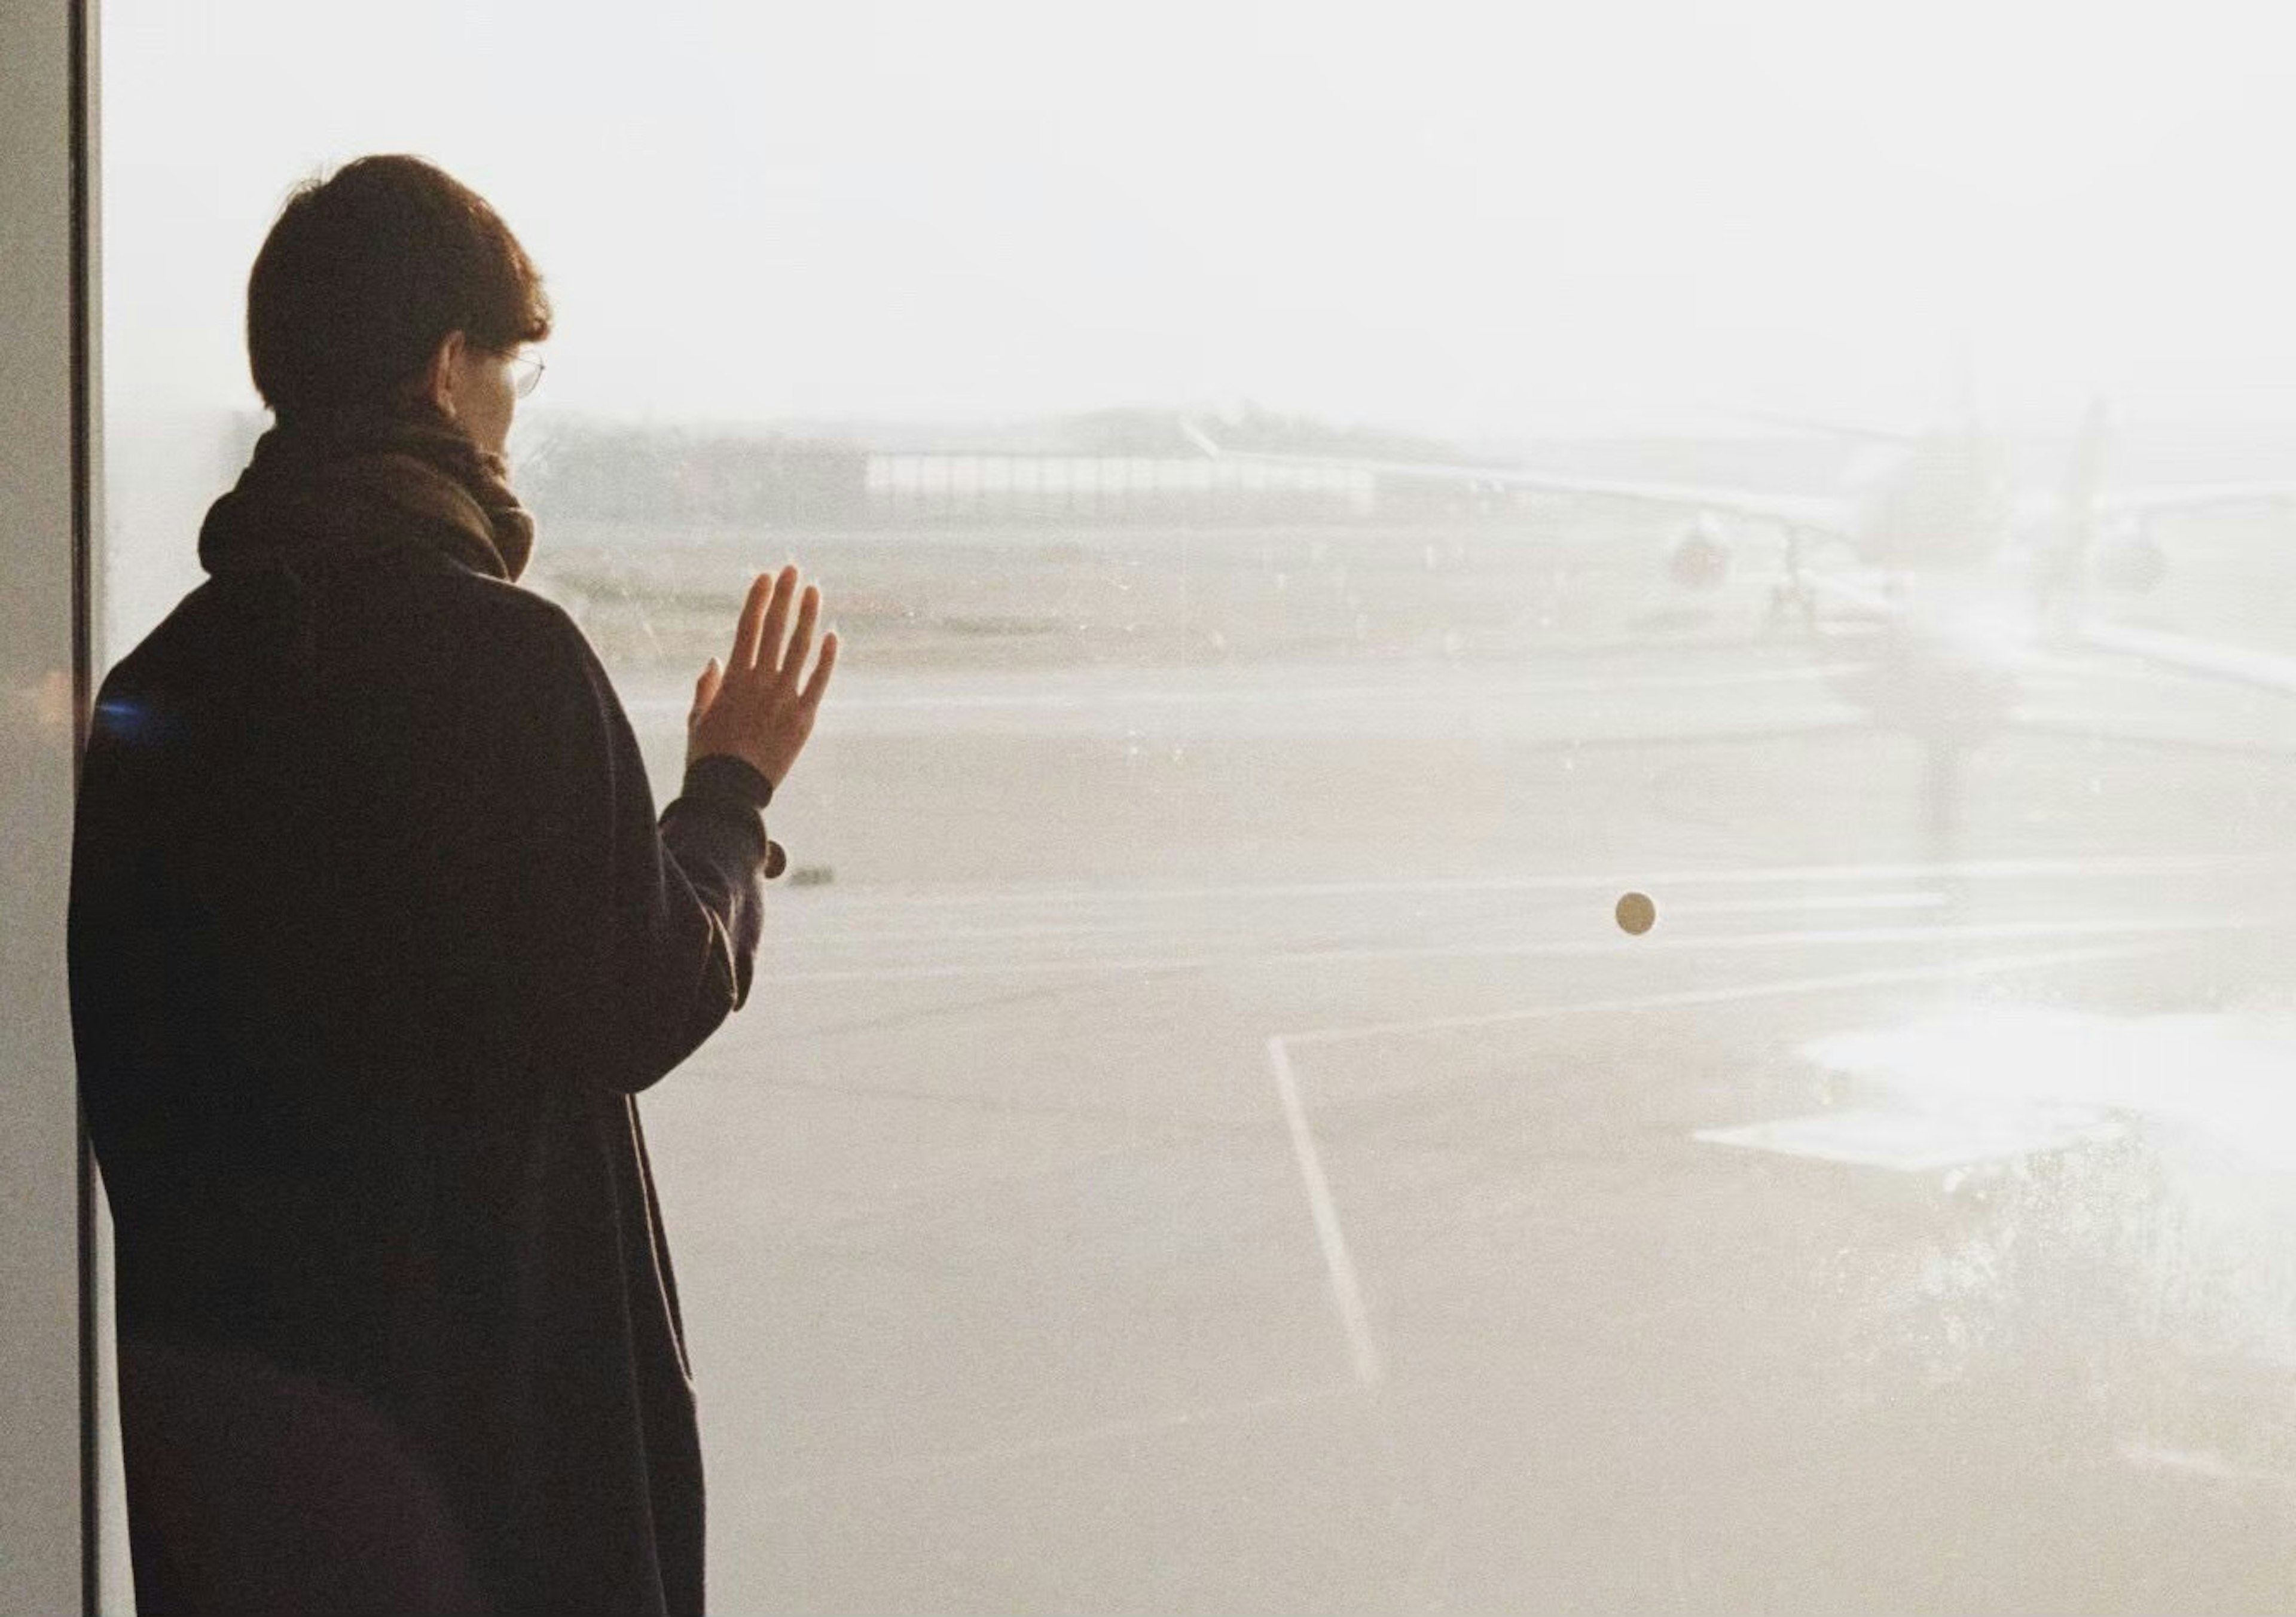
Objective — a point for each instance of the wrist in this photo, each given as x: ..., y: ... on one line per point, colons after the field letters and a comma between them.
x: 722, y: 783
x: 721, y: 774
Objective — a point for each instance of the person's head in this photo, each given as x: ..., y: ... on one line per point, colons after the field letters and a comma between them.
x: 387, y: 281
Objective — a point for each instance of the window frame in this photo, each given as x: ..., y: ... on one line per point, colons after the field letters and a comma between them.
x: 50, y: 465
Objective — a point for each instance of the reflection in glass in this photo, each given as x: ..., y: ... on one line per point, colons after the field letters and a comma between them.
x: 1318, y: 510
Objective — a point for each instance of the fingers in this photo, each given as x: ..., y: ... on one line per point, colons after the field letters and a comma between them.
x: 768, y: 659
x: 705, y: 691
x: 809, y: 608
x: 764, y: 640
x: 819, y: 683
x: 750, y: 630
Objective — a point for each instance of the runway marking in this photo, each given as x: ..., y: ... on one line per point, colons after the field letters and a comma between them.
x: 1110, y: 926
x: 1338, y: 1265
x: 2060, y: 726
x: 2200, y: 1462
x: 1906, y: 1139
x: 1928, y: 900
x: 1881, y: 976
x: 1988, y: 870
x: 1571, y: 950
x: 1259, y: 696
x: 1119, y: 927
x: 1055, y: 1443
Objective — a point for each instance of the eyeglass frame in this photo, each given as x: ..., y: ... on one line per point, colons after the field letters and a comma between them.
x: 525, y: 371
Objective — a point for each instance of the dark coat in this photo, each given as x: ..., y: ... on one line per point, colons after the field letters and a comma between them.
x: 374, y: 938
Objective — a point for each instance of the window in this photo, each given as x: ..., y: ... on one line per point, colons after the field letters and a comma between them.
x: 1322, y: 505
x: 45, y: 501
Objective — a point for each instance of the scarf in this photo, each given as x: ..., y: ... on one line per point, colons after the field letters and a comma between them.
x: 317, y: 492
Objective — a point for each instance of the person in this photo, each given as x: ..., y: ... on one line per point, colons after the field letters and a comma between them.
x: 374, y: 937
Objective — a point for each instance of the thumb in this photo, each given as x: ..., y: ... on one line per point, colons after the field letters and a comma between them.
x: 705, y: 690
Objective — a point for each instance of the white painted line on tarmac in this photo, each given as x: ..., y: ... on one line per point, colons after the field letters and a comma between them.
x: 1647, y: 881
x: 1930, y: 900
x: 1117, y: 926
x: 1831, y: 937
x: 1274, y: 696
x: 1906, y: 1139
x: 2209, y: 1462
x: 1120, y: 922
x: 1943, y: 970
x: 1339, y: 1267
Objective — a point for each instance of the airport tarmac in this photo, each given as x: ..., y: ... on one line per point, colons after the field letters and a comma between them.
x: 1210, y: 1147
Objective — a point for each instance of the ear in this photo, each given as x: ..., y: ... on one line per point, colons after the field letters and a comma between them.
x: 438, y: 376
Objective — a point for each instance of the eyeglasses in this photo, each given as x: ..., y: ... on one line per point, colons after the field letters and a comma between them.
x: 525, y: 371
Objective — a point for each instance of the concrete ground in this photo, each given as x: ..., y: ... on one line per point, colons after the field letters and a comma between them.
x: 1207, y: 1146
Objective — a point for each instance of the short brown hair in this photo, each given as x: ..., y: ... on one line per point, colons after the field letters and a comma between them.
x: 363, y: 274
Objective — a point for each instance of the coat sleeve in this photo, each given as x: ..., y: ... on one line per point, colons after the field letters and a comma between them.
x: 664, y: 913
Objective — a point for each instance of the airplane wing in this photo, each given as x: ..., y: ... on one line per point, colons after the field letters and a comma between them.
x: 1820, y: 516
x: 1808, y: 514
x: 2240, y: 664
x: 2150, y: 502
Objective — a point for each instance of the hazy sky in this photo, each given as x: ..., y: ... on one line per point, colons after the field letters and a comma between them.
x: 1489, y: 218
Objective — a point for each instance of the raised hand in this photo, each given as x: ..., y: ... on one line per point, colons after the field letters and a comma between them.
x: 760, y: 708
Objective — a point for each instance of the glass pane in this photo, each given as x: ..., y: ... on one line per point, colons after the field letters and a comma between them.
x: 1321, y: 506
